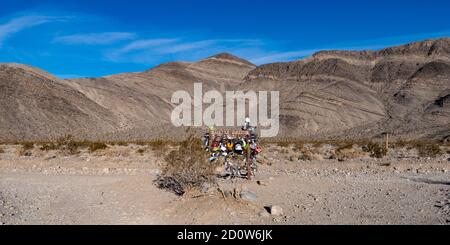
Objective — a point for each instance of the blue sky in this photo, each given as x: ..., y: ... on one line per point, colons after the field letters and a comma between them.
x: 95, y: 38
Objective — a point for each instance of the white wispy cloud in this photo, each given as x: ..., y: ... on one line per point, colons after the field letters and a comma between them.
x: 95, y: 38
x: 21, y: 23
x: 138, y: 51
x: 258, y: 51
x: 183, y: 47
x: 282, y: 56
x: 147, y: 44
x: 148, y: 50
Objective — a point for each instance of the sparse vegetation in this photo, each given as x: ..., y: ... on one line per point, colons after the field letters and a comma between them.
x: 309, y: 154
x: 95, y: 146
x: 1, y: 150
x: 25, y: 148
x: 347, y: 146
x: 298, y: 146
x: 344, y: 149
x: 158, y: 145
x: 305, y: 156
x: 428, y: 149
x: 186, y: 167
x: 140, y: 142
x: 345, y: 152
x: 68, y: 144
x: 318, y: 144
x: 375, y: 150
x: 48, y: 146
x: 400, y: 144
x: 284, y: 144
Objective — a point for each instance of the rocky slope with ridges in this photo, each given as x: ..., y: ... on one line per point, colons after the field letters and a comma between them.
x: 363, y: 93
x: 34, y: 105
x: 403, y: 90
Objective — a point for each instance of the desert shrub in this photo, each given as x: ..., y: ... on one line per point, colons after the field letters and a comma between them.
x: 344, y: 151
x: 186, y: 167
x: 157, y: 145
x: 318, y: 144
x: 121, y: 143
x: 305, y: 156
x: 283, y: 144
x: 140, y: 151
x: 309, y: 155
x: 95, y: 146
x: 68, y: 144
x: 428, y: 149
x: 48, y: 146
x: 346, y: 154
x: 118, y: 143
x: 160, y: 147
x: 1, y: 150
x: 376, y: 150
x: 400, y: 144
x: 25, y: 148
x: 346, y: 146
x: 298, y: 146
x: 140, y: 142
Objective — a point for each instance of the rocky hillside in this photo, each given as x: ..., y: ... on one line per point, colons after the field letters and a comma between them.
x: 35, y: 105
x: 404, y: 90
x: 141, y: 101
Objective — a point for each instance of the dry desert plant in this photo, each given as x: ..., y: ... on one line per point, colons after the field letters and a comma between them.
x: 428, y: 149
x: 158, y: 145
x: 375, y: 150
x: 400, y: 143
x: 95, y: 146
x: 48, y: 146
x: 186, y: 167
x: 25, y: 149
x: 298, y: 146
x: 346, y: 151
x: 284, y: 144
x: 68, y: 145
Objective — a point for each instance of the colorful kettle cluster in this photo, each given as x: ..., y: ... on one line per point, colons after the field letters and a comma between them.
x: 234, y: 147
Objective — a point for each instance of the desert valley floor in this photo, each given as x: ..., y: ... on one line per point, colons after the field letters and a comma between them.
x: 115, y: 186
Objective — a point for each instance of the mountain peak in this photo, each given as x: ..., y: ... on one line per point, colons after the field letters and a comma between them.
x: 426, y: 48
x: 227, y: 57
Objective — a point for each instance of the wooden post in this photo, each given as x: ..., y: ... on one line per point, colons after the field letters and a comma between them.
x: 249, y: 163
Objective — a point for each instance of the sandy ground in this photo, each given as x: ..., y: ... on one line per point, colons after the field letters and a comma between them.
x: 116, y: 187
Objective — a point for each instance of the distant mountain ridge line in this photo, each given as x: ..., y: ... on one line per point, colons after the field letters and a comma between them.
x: 397, y: 89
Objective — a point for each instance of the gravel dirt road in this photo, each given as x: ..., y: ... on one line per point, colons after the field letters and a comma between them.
x: 115, y: 189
